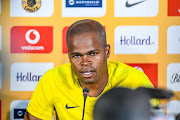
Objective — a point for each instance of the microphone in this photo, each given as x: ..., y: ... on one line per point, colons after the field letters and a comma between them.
x: 156, y: 93
x: 85, y: 93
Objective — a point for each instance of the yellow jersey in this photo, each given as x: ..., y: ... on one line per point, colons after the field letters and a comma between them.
x: 59, y: 89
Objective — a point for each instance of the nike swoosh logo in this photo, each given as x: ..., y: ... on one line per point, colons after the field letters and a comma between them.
x: 130, y: 5
x: 67, y: 107
x: 179, y: 10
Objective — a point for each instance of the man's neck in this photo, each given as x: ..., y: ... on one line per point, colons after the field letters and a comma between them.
x: 95, y: 89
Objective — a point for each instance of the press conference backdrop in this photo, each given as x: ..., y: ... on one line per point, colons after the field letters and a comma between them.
x: 142, y: 33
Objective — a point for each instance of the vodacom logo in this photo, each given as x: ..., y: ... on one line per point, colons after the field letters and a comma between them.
x: 31, y: 39
x: 37, y: 36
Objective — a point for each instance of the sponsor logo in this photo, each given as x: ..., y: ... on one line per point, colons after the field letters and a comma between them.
x: 173, y: 40
x: 136, y: 40
x: 18, y: 109
x: 136, y: 8
x: 67, y: 107
x: 19, y: 113
x: 83, y: 3
x: 0, y: 75
x: 31, y: 5
x: 150, y: 69
x: 71, y: 2
x: 173, y: 8
x: 173, y: 76
x: 25, y: 76
x: 37, y: 36
x: 26, y: 39
x: 64, y: 40
x: 173, y: 107
x: 83, y: 8
x: 0, y: 37
x: 31, y: 8
x: 133, y: 4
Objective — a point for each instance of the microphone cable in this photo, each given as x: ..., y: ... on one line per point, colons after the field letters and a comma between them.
x: 85, y: 94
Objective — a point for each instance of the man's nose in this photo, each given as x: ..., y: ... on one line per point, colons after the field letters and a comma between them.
x: 85, y: 61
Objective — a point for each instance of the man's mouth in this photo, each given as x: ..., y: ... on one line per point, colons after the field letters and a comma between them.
x: 87, y: 74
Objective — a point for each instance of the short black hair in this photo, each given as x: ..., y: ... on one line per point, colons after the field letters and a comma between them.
x: 86, y: 26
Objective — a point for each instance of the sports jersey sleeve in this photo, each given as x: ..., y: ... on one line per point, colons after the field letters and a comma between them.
x: 41, y: 103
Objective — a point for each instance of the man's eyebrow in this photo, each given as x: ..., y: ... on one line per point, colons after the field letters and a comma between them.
x: 74, y: 53
x: 77, y: 53
x: 93, y: 50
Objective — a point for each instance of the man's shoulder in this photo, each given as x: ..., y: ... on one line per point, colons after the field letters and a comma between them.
x: 119, y: 67
x: 123, y: 71
x: 64, y: 69
x: 127, y: 76
x: 122, y: 67
x: 63, y: 74
x: 61, y: 68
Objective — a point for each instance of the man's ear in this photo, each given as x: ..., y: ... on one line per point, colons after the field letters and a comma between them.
x: 108, y: 50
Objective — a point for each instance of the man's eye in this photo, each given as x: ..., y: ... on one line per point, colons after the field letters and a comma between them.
x: 93, y: 54
x: 76, y: 56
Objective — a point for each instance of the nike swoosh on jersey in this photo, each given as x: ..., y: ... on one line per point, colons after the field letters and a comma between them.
x: 67, y: 107
x: 179, y: 10
x: 130, y: 5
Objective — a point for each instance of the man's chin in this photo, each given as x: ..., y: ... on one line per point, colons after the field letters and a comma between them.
x: 88, y: 81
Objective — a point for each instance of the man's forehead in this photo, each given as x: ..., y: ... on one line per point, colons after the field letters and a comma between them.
x: 85, y: 38
x: 85, y: 45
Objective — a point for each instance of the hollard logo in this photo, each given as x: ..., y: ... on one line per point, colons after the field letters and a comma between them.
x: 71, y: 2
x: 37, y: 36
x: 31, y: 5
x: 30, y: 77
x: 133, y: 40
x: 175, y: 78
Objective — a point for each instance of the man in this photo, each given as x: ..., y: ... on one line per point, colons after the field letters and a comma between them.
x: 61, y: 88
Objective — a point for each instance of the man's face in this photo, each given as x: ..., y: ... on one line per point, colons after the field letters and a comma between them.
x: 88, y: 57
